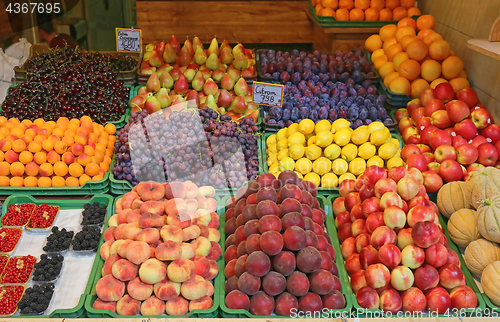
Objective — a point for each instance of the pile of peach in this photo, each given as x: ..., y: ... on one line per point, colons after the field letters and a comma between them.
x: 394, y: 246
x: 160, y: 251
x: 277, y: 247
x: 54, y: 154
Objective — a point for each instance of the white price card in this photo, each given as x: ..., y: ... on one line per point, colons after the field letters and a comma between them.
x: 268, y: 94
x: 129, y: 40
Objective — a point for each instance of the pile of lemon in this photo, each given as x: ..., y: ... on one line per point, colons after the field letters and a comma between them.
x: 327, y: 153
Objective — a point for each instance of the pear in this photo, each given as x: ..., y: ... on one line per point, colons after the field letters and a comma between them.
x: 239, y: 106
x: 218, y: 74
x: 225, y: 99
x: 210, y: 87
x: 198, y: 81
x: 226, y: 56
x: 178, y: 104
x: 166, y: 80
x: 137, y: 102
x: 227, y: 82
x: 200, y: 57
x: 152, y: 105
x: 248, y: 72
x: 147, y: 55
x: 193, y: 99
x: 181, y: 85
x: 142, y: 90
x: 240, y: 61
x: 169, y: 55
x: 175, y: 73
x: 213, y: 48
x: 175, y: 43
x: 197, y: 44
x: 150, y: 47
x: 189, y: 73
x: 234, y: 73
x: 189, y: 45
x: 155, y: 59
x: 238, y: 49
x: 241, y: 87
x: 153, y: 84
x: 148, y: 70
x: 211, y: 103
x: 161, y: 48
x: 224, y: 44
x: 206, y: 73
x: 213, y: 62
x: 163, y: 98
x: 184, y: 58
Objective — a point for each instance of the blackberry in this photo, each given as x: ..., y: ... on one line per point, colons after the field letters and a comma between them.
x: 93, y: 214
x: 87, y: 239
x: 48, y: 268
x: 58, y: 241
x: 36, y: 299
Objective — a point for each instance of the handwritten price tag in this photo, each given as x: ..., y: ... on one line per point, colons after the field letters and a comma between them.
x: 129, y: 40
x: 268, y: 94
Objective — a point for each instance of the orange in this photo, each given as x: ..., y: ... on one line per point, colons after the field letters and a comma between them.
x: 387, y: 32
x: 72, y: 182
x: 413, y: 12
x: 319, y: 11
x: 399, y: 13
x: 334, y: 4
x: 16, y: 182
x: 377, y: 4
x: 379, y: 61
x: 4, y: 181
x: 25, y: 157
x: 463, y: 74
x: 58, y: 181
x: 17, y: 169
x: 426, y: 22
x: 385, y: 14
x: 48, y: 145
x: 417, y: 86
x: 401, y: 85
x: 423, y: 33
x: 407, y: 22
x: 92, y: 169
x: 389, y: 78
x: 60, y: 147
x: 4, y: 168
x: 46, y: 170
x: 388, y: 43
x: 83, y: 179
x: 30, y: 182
x: 393, y: 50
x: 373, y: 43
x: 403, y: 31
x: 459, y: 83
x: 35, y: 146
x: 452, y: 67
x: 356, y: 15
x: 97, y: 177
x: 371, y: 14
x: 407, y: 40
x: 60, y: 168
x: 75, y: 169
x: 327, y: 12
x: 439, y: 49
x: 409, y: 69
x: 417, y: 50
x: 433, y: 36
x: 40, y: 157
x: 407, y: 4
x: 18, y: 145
x: 362, y: 4
x: 398, y: 59
x: 431, y: 70
x: 342, y: 15
x: 392, y: 4
x: 346, y: 4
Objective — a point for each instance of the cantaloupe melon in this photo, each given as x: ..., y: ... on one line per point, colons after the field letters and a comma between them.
x: 488, y: 219
x: 483, y: 184
x: 462, y: 227
x: 479, y: 254
x: 453, y: 196
x: 490, y: 282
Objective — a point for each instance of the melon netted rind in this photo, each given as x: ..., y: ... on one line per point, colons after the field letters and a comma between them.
x: 483, y: 184
x: 488, y: 219
x: 462, y: 227
x: 453, y: 196
x: 479, y: 254
x: 490, y: 281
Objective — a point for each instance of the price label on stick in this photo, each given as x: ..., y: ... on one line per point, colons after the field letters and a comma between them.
x: 129, y: 40
x: 268, y: 94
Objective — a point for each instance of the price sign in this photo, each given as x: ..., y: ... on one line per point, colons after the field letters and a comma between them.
x: 129, y: 40
x: 268, y: 94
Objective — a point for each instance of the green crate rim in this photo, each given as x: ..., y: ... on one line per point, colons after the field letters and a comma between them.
x: 332, y: 232
x: 91, y: 296
x: 79, y: 310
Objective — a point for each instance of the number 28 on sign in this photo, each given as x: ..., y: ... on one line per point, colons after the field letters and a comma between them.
x: 268, y: 94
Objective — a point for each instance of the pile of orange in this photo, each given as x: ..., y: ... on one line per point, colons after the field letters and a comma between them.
x: 411, y: 56
x: 54, y: 154
x: 366, y: 10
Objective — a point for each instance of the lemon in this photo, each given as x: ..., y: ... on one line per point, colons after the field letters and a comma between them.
x: 306, y: 126
x: 396, y: 141
x: 311, y: 140
x: 313, y: 152
x: 282, y: 144
x: 357, y: 166
x: 281, y: 135
x: 275, y: 173
x: 367, y: 150
x: 332, y: 151
x: 272, y: 158
x: 303, y: 166
x: 323, y: 125
x: 324, y: 138
x: 272, y: 148
x: 296, y: 151
x: 299, y: 175
x: 379, y: 137
x: 360, y: 135
x: 375, y: 160
x: 345, y: 176
x: 387, y: 150
x: 340, y: 124
x: 283, y: 154
x: 398, y: 154
x: 296, y: 138
x: 375, y: 126
x: 274, y: 167
x: 292, y: 129
x: 349, y: 152
x: 339, y: 166
x: 313, y: 177
x: 329, y: 180
x: 271, y: 139
x: 322, y: 165
x: 395, y: 162
x: 287, y: 164
x: 342, y: 137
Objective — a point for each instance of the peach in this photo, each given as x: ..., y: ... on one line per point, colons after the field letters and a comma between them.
x: 261, y: 304
x: 203, y: 217
x: 368, y: 298
x: 191, y: 232
x: 149, y: 220
x: 334, y: 300
x: 402, y: 278
x: 137, y: 203
x: 188, y: 251
x: 173, y: 233
x: 202, y: 202
x: 211, y: 205
x: 130, y: 230
x: 150, y: 190
x: 139, y: 290
x: 105, y: 249
x: 181, y: 270
x: 154, y: 207
x: 383, y: 235
x: 108, y: 234
x: 168, y: 251
x: 309, y: 259
x: 175, y: 190
x: 214, y: 270
x: 297, y: 284
x: 310, y: 302
x: 286, y: 304
x: 358, y: 280
x: 321, y: 282
x: 210, y: 289
x: 167, y: 290
x: 128, y: 306
x: 152, y: 271
x: 175, y: 206
x: 119, y: 204
x: 274, y: 283
x: 128, y: 199
x: 390, y: 301
x: 148, y: 235
x: 203, y: 303
x: 269, y: 222
x: 377, y: 275
x: 231, y: 284
x: 213, y: 235
x: 201, y: 264
x: 206, y: 191
x: 242, y: 249
x: 284, y: 263
x: 137, y: 252
x: 271, y: 242
x: 203, y: 245
x: 108, y: 264
x: 203, y: 230
x: 122, y: 216
x: 118, y: 232
x: 177, y: 306
x: 252, y: 244
x: 102, y: 305
x: 153, y: 306
x: 124, y: 270
x: 191, y: 189
x: 114, y: 246
x: 122, y: 247
x: 109, y: 288
x: 194, y: 288
x: 192, y: 205
x: 214, y: 222
x: 215, y: 252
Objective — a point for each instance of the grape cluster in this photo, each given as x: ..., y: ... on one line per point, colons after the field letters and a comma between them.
x: 197, y: 145
x: 70, y: 83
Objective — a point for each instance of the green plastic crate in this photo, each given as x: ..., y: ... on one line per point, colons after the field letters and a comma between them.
x: 79, y: 310
x: 102, y: 314
x: 332, y: 232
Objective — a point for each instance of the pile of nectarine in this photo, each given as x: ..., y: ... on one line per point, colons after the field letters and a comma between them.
x: 394, y: 246
x: 277, y: 247
x: 160, y: 251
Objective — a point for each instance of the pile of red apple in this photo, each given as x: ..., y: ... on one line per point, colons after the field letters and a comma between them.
x: 160, y: 251
x: 277, y: 247
x: 395, y: 251
x: 447, y: 133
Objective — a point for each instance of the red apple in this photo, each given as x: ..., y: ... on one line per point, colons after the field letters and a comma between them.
x: 450, y: 171
x: 481, y: 118
x: 426, y: 96
x: 468, y: 96
x: 438, y: 138
x: 401, y: 113
x: 413, y: 139
x: 475, y: 167
x: 432, y: 181
x: 404, y: 123
x: 444, y: 92
x: 425, y: 133
x: 429, y: 157
x: 373, y: 174
x: 492, y: 133
x: 438, y: 301
x: 409, y: 149
x: 457, y: 141
x: 433, y: 106
x: 467, y: 154
x: 396, y: 173
x: 466, y: 129
x: 424, y: 148
x: 445, y: 152
x: 434, y: 167
x: 451, y: 131
x: 417, y: 114
x: 423, y: 122
x: 478, y: 140
x: 457, y: 110
x: 414, y: 300
x: 385, y: 185
x: 409, y: 131
x: 346, y: 187
x: 441, y: 119
x: 487, y: 154
x: 413, y: 104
